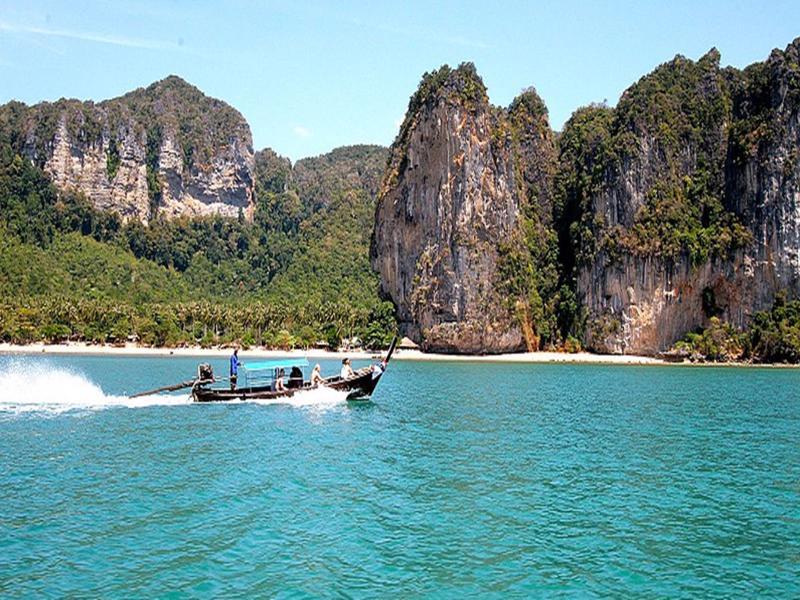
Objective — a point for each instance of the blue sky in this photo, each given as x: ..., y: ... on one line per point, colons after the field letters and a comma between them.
x: 311, y: 76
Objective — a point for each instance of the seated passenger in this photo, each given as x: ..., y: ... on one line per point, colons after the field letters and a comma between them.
x: 279, y: 387
x: 347, y: 370
x: 378, y: 369
x: 316, y: 376
x: 296, y: 378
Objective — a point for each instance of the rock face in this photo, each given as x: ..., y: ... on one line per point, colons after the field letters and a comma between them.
x: 452, y: 195
x: 642, y: 223
x: 707, y: 163
x: 165, y: 150
x: 763, y: 171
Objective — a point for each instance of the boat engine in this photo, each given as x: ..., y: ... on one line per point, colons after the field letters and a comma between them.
x: 205, y: 372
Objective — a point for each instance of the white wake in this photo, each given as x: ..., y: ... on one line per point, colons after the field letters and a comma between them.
x: 320, y: 397
x: 44, y: 388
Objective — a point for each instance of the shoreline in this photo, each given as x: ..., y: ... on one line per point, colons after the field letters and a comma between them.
x: 133, y: 350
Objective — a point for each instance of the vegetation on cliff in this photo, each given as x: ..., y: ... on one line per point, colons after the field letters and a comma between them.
x: 644, y: 179
x: 668, y: 135
x: 200, y: 123
x: 758, y: 92
x: 148, y: 125
x: 462, y: 86
x: 585, y: 151
x: 529, y: 271
x: 684, y: 108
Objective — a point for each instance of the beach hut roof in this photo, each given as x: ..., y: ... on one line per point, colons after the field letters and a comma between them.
x: 407, y: 344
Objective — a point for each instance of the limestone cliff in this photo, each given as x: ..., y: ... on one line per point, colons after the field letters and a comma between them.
x: 763, y: 172
x: 694, y: 208
x: 164, y: 150
x: 640, y: 224
x: 452, y: 197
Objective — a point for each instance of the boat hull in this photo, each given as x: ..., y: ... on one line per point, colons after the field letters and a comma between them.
x: 359, y: 387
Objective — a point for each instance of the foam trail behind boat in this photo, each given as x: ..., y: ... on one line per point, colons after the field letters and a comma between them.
x: 45, y: 388
x: 320, y: 397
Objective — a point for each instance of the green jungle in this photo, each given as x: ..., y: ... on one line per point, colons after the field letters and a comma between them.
x: 296, y: 275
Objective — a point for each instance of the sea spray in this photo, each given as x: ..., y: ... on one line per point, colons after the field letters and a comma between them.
x: 319, y: 397
x: 26, y: 387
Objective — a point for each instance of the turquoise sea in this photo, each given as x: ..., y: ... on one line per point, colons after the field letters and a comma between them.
x: 458, y: 480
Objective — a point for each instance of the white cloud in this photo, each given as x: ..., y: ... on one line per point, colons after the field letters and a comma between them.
x: 86, y: 36
x: 301, y: 131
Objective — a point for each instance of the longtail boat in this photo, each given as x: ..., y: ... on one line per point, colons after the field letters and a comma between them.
x: 260, y: 381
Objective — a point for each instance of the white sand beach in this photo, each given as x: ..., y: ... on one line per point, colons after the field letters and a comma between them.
x: 411, y: 355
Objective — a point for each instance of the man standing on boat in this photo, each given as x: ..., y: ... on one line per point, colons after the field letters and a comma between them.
x: 235, y: 364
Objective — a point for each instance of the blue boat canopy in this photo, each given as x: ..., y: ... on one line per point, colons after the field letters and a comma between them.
x: 278, y: 363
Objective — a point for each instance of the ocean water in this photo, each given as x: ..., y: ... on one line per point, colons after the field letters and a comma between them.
x: 457, y: 480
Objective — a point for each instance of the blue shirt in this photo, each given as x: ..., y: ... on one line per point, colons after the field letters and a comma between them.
x: 234, y: 365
